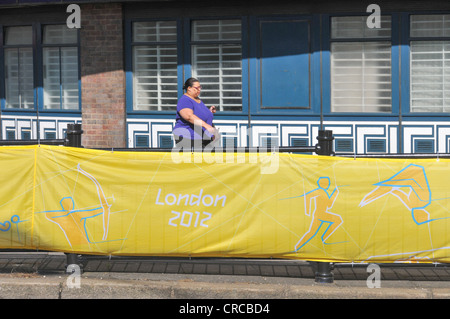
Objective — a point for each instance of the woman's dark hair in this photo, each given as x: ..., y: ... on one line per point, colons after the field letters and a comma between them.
x: 189, y: 82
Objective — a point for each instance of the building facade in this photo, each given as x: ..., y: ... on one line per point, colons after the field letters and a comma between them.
x: 377, y: 76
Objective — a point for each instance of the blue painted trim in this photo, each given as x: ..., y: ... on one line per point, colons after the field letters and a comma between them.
x: 255, y: 67
x: 337, y: 149
x: 431, y: 141
x: 285, y: 56
x: 186, y: 47
x: 326, y: 65
x: 181, y: 65
x: 136, y: 133
x: 39, y: 68
x: 433, y: 117
x: 128, y: 66
x: 316, y: 61
x: 245, y: 67
x: 33, y: 113
x: 405, y: 64
x: 80, y: 101
x: 155, y: 116
x: 253, y: 98
x: 415, y: 136
x: 395, y: 64
x: 2, y: 72
x: 146, y: 136
x: 445, y: 137
x: 359, y: 117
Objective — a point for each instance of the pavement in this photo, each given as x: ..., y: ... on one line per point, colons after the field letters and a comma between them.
x: 42, y: 275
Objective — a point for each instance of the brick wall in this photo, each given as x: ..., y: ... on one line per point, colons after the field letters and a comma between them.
x: 102, y: 76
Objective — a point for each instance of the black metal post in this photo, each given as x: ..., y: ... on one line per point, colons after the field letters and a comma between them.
x: 73, y: 139
x: 73, y: 135
x: 325, y: 145
x: 323, y: 272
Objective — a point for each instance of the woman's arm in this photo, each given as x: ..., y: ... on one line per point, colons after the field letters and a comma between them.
x: 188, y: 115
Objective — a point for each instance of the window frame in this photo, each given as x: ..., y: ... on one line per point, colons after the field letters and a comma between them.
x: 130, y: 75
x: 3, y: 48
x: 394, y: 39
x: 406, y: 64
x: 298, y: 108
x: 193, y: 43
x: 184, y: 57
x: 41, y: 69
x: 38, y: 75
x: 315, y: 77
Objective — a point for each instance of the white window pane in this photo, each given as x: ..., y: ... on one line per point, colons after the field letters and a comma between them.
x: 219, y: 69
x: 218, y: 66
x: 216, y: 30
x: 155, y: 31
x: 155, y: 77
x: 69, y: 78
x: 430, y: 76
x: 355, y: 27
x: 19, y: 78
x: 60, y: 34
x: 437, y: 25
x: 361, y: 77
x: 51, y: 78
x: 18, y: 35
x: 61, y: 89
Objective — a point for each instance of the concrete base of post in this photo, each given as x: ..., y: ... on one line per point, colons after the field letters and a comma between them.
x: 73, y: 262
x: 323, y: 273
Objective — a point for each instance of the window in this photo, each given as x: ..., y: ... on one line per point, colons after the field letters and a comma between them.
x: 285, y: 63
x: 430, y: 63
x: 360, y: 65
x: 161, y: 59
x: 60, y: 56
x: 19, y: 88
x: 155, y: 66
x: 217, y: 62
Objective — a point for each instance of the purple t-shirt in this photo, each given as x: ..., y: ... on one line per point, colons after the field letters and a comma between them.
x: 186, y: 129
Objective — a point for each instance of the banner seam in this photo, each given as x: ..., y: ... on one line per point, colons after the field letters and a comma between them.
x: 34, y: 194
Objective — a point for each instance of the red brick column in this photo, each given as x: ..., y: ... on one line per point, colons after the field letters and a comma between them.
x: 102, y: 76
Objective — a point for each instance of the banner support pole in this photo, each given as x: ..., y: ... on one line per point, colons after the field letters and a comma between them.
x: 73, y: 139
x: 324, y: 147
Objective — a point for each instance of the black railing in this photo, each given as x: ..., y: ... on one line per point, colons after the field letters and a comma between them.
x: 73, y: 138
x: 403, y: 155
x: 32, y: 142
x: 323, y: 147
x: 281, y: 149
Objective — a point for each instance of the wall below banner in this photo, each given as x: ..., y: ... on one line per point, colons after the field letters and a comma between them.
x: 267, y: 205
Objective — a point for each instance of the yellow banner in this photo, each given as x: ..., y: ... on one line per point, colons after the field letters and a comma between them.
x: 229, y: 205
